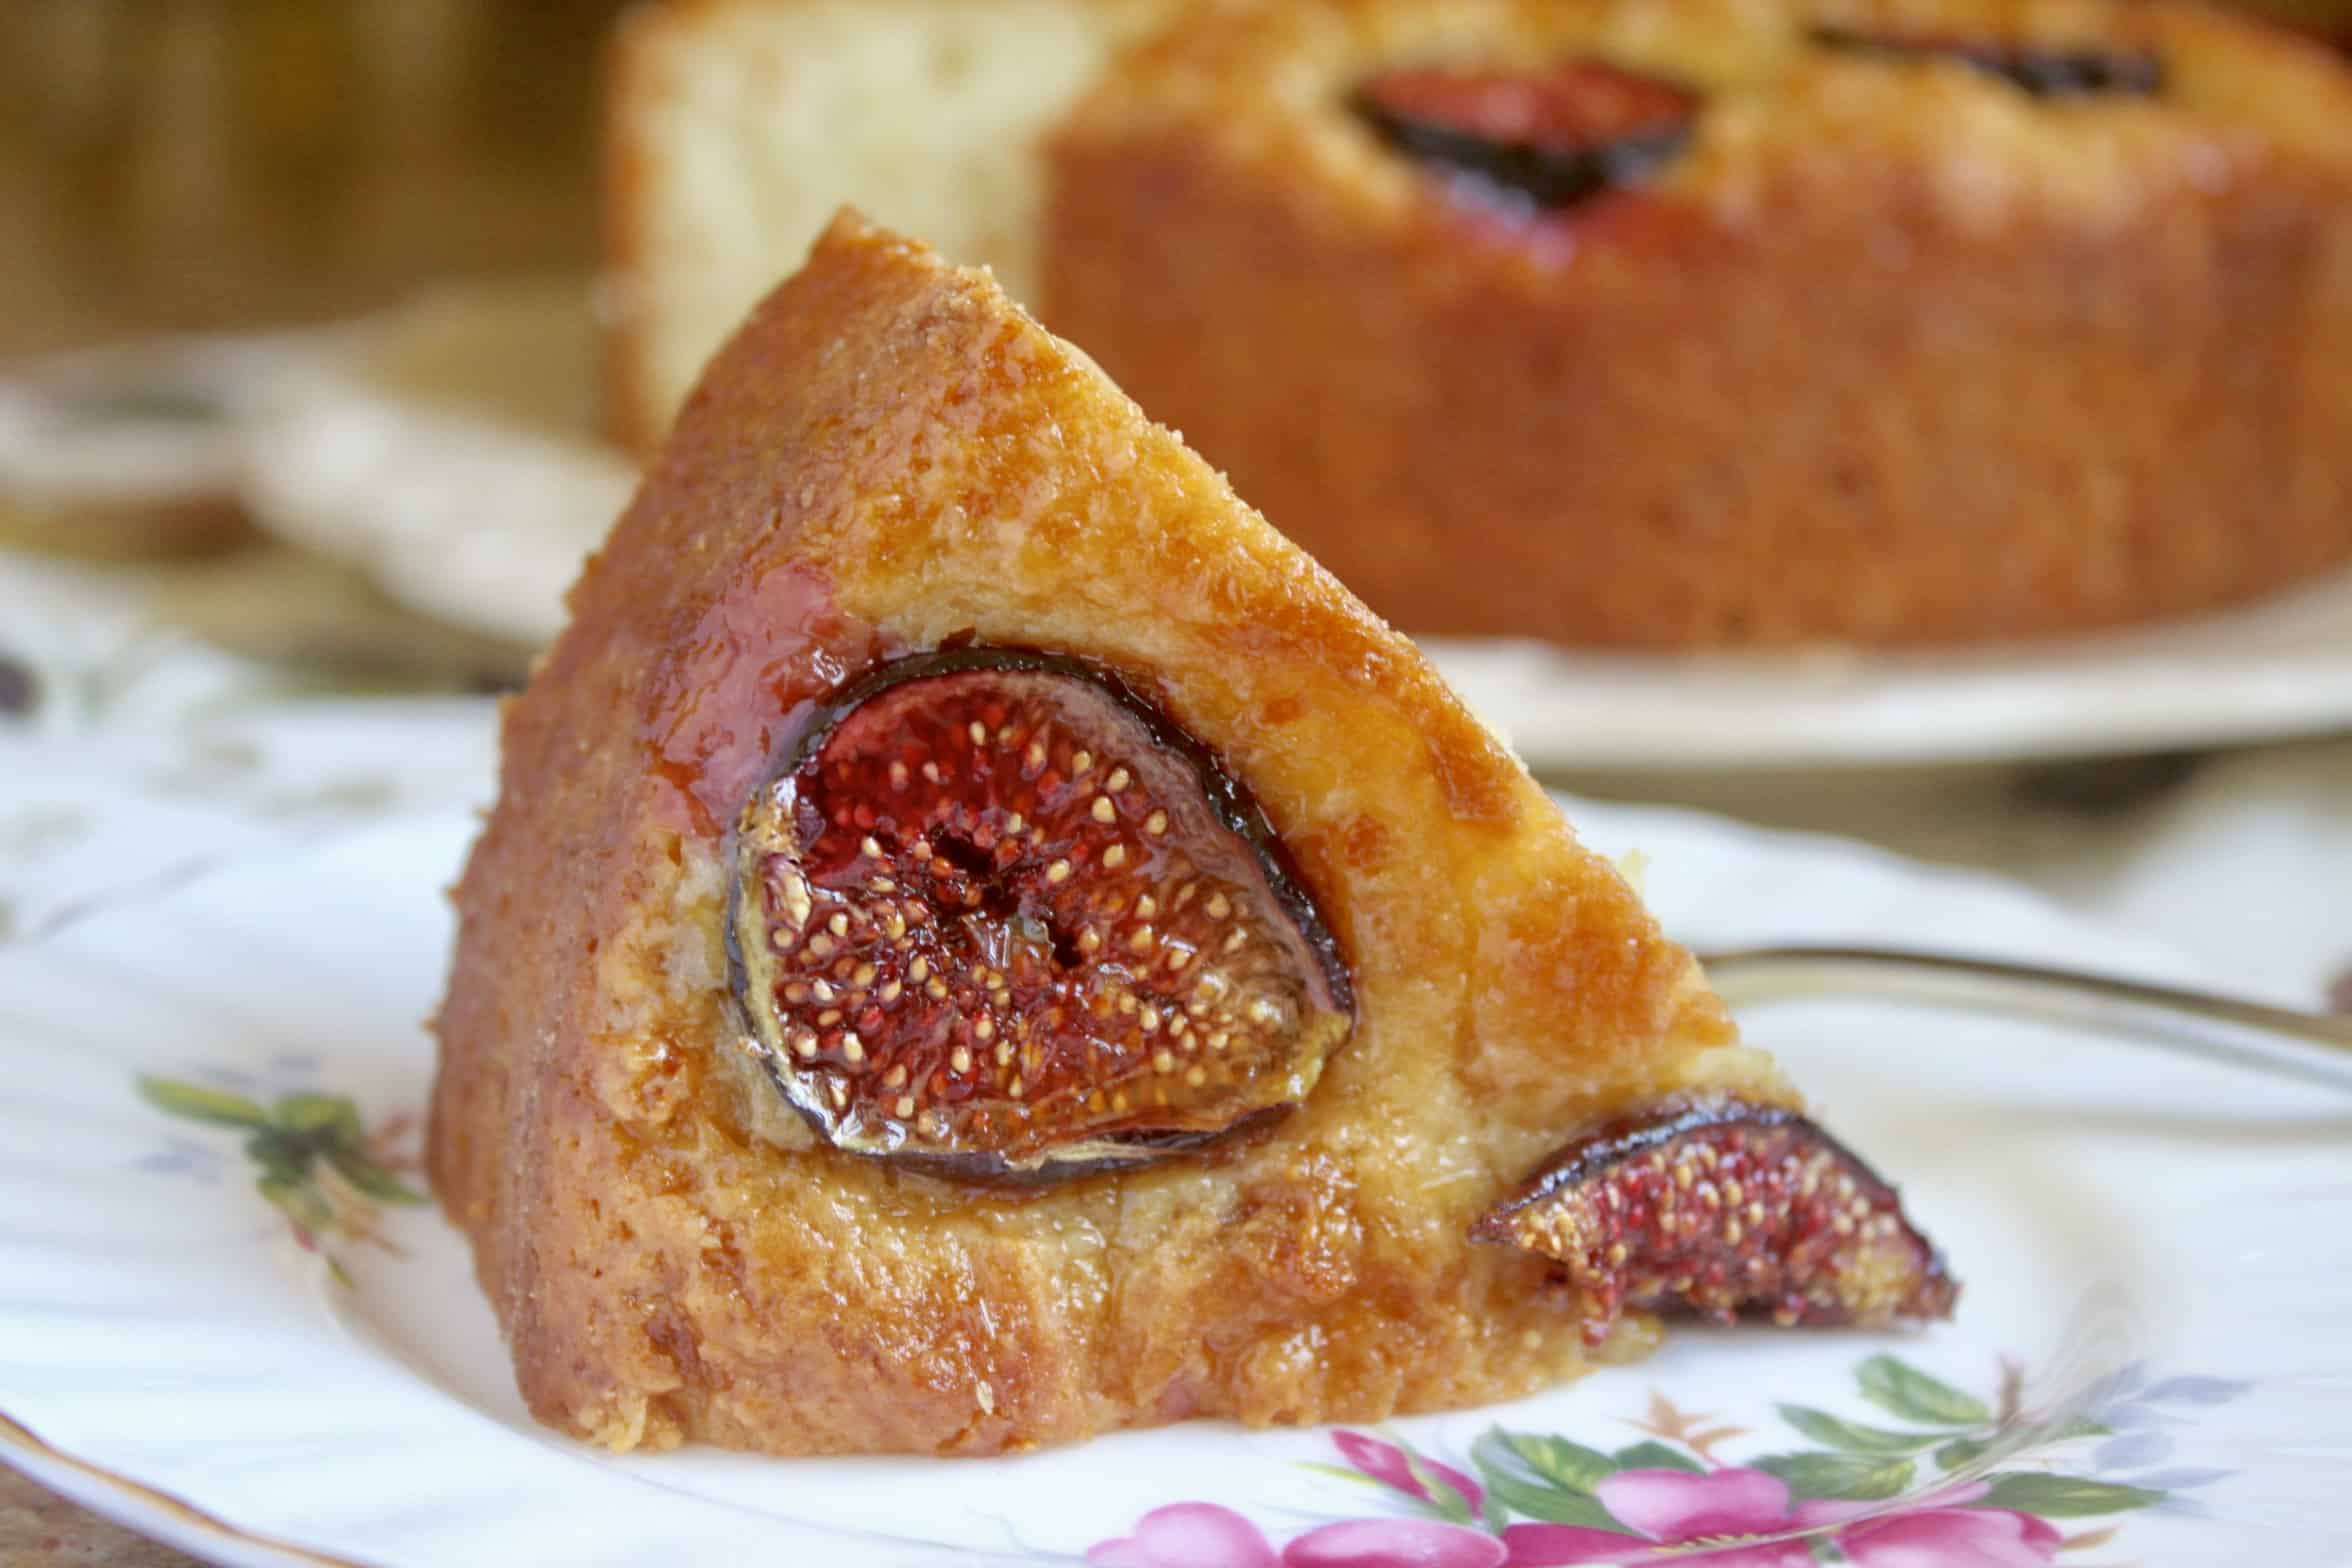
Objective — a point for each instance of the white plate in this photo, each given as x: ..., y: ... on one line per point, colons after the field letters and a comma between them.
x: 2276, y: 669
x: 451, y: 450
x: 2157, y: 1243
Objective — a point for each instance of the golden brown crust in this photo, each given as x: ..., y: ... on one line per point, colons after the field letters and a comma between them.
x: 1893, y: 353
x: 887, y: 454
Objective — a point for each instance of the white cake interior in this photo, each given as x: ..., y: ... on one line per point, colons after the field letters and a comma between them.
x: 741, y: 125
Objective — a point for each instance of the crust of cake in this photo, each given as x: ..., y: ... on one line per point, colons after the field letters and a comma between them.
x: 1892, y: 354
x: 887, y: 455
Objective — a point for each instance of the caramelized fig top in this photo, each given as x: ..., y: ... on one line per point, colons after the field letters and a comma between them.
x: 1550, y: 138
x: 1723, y: 1209
x: 999, y: 917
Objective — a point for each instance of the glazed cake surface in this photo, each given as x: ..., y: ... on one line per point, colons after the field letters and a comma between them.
x: 1892, y: 346
x: 887, y: 458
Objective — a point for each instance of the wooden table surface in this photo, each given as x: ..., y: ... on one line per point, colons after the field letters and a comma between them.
x: 219, y: 164
x: 39, y: 1530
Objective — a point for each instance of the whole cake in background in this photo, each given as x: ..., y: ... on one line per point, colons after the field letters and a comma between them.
x: 982, y: 942
x: 1646, y: 324
x: 2330, y: 21
x: 1684, y: 323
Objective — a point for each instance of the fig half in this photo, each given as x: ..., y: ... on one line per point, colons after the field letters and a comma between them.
x: 1551, y: 138
x: 1724, y: 1210
x: 998, y: 916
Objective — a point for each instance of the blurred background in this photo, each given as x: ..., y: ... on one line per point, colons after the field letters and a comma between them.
x: 182, y: 181
x: 182, y: 165
x: 187, y: 165
x: 300, y: 395
x: 196, y: 195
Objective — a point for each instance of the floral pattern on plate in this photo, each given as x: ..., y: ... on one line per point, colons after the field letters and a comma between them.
x: 1964, y: 1482
x: 314, y: 1160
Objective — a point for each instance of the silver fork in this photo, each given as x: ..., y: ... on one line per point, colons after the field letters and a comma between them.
x: 2202, y: 1022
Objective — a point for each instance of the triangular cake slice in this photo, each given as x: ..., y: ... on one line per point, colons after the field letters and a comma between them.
x: 982, y: 942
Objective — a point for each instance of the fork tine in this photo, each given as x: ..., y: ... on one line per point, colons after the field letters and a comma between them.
x: 2136, y: 1007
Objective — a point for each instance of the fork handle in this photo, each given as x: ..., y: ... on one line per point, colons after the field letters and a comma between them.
x: 1772, y: 973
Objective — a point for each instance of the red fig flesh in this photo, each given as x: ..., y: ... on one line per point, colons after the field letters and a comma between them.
x: 1724, y: 1210
x: 1000, y: 917
x: 1552, y: 138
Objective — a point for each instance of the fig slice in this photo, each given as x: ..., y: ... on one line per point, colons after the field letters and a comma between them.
x: 1551, y: 138
x: 1723, y: 1210
x: 996, y: 915
x: 2042, y: 70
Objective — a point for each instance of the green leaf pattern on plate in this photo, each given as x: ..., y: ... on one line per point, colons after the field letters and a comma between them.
x: 314, y: 1160
x: 1655, y: 1456
x: 2065, y: 1496
x: 194, y: 1102
x: 1851, y: 1437
x: 1547, y: 1479
x: 1851, y: 1477
x: 1910, y: 1393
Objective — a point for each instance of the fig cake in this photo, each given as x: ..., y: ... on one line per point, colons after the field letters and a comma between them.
x: 1699, y: 323
x: 982, y: 942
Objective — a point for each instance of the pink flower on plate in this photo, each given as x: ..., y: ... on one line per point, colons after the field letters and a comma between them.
x: 1205, y: 1535
x: 1951, y: 1538
x: 1187, y: 1535
x: 1395, y: 1543
x: 1391, y: 1466
x: 1671, y: 1512
x: 1937, y: 1530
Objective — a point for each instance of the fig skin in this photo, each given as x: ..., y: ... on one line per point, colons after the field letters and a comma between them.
x: 1552, y: 140
x: 1723, y: 1210
x: 2042, y: 72
x: 996, y: 917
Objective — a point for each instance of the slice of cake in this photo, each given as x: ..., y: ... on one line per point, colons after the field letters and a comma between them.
x: 982, y: 942
x: 736, y: 127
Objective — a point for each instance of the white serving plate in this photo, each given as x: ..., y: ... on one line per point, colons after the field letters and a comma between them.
x: 451, y: 449
x: 2157, y: 1244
